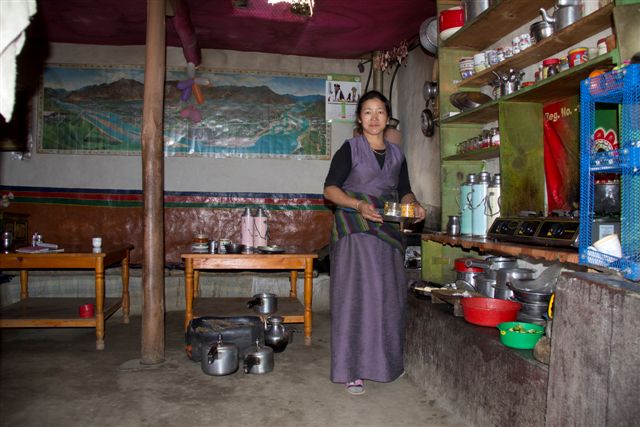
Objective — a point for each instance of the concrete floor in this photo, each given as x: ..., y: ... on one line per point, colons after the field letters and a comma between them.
x: 55, y: 377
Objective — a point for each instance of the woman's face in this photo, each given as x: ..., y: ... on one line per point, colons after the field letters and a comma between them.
x: 373, y: 116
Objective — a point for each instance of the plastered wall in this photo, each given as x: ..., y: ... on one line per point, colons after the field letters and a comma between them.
x: 69, y: 199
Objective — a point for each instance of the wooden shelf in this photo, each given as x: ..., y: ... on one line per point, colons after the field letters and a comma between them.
x: 589, y: 25
x: 562, y: 85
x: 53, y: 312
x: 289, y: 308
x: 494, y: 23
x: 504, y: 248
x: 482, y: 154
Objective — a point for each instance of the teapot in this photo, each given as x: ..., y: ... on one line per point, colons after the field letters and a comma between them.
x: 567, y: 12
x: 276, y: 335
x: 259, y: 361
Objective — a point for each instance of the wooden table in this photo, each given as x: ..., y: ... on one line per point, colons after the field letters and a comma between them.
x: 63, y: 312
x: 289, y: 308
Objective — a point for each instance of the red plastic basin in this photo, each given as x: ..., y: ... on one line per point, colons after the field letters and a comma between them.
x: 489, y: 311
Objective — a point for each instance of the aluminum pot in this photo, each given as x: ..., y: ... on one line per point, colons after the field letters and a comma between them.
x: 264, y: 303
x: 501, y: 292
x: 529, y: 296
x: 533, y: 309
x: 259, y: 361
x: 505, y: 275
x: 541, y: 30
x: 219, y: 358
x: 484, y: 285
x: 492, y: 264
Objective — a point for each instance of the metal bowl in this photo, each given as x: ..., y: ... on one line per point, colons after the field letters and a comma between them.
x: 469, y: 100
x: 234, y: 248
x: 530, y: 296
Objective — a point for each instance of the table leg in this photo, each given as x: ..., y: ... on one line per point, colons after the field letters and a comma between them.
x: 308, y: 294
x: 24, y: 284
x: 99, y: 312
x: 188, y: 294
x: 293, y: 292
x: 196, y: 283
x: 125, y: 289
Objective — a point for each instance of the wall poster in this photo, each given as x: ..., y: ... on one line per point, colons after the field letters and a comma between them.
x: 98, y: 110
x: 342, y: 94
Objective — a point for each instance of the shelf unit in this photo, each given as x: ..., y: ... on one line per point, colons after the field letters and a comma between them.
x: 560, y: 86
x: 589, y: 25
x: 519, y: 116
x: 618, y: 87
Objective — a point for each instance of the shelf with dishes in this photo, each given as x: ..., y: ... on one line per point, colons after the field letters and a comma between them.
x: 562, y: 85
x: 494, y: 23
x: 586, y: 27
x: 479, y: 154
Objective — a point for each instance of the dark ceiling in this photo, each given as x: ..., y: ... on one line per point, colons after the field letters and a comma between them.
x: 337, y: 29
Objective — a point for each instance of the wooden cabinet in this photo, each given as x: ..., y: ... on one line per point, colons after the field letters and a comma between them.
x: 519, y: 115
x: 18, y: 225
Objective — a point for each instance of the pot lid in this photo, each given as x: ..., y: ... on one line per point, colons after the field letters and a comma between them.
x: 460, y: 266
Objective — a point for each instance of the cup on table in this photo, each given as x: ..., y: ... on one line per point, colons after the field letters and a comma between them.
x: 609, y: 245
x: 96, y: 242
x: 86, y: 311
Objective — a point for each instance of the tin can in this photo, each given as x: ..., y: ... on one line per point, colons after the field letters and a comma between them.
x: 602, y: 46
x: 508, y: 51
x: 492, y: 57
x: 500, y: 54
x: 515, y: 45
x: 525, y: 41
x: 578, y: 56
x: 222, y: 249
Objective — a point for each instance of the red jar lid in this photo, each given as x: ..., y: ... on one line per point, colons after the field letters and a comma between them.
x: 551, y: 61
x: 460, y: 266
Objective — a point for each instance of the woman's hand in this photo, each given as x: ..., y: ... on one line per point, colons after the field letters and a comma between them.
x: 420, y: 212
x: 369, y: 213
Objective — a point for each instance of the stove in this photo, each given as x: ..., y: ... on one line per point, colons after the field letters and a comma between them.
x: 558, y: 231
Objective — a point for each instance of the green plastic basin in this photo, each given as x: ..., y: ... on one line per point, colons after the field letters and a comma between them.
x: 522, y: 340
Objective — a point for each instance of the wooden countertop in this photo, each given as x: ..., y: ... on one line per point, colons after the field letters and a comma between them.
x: 504, y: 248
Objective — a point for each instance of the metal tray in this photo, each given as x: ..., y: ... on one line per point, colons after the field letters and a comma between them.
x: 395, y: 218
x: 271, y: 249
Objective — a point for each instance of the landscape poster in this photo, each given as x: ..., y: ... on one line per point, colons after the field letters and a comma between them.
x: 98, y: 110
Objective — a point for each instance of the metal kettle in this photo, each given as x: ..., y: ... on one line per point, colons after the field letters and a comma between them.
x: 276, y: 335
x: 567, y: 12
x: 219, y: 358
x: 259, y: 361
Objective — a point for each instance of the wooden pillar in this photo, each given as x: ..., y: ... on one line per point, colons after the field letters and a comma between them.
x: 378, y: 76
x: 153, y: 186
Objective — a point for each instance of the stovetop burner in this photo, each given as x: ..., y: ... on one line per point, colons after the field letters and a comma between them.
x: 558, y: 231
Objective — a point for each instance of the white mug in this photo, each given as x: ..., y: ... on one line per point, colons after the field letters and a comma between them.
x: 96, y: 242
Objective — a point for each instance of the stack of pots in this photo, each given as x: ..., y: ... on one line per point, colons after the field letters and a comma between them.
x: 485, y: 283
x: 467, y: 270
x: 505, y: 276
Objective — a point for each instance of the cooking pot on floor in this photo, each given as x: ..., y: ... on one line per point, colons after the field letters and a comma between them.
x: 219, y: 358
x: 259, y: 361
x: 264, y: 303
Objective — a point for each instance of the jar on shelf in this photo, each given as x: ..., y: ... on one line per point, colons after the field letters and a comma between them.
x: 500, y: 54
x: 492, y: 57
x: 525, y: 41
x: 602, y: 46
x: 564, y: 64
x: 479, y: 62
x: 508, y: 51
x: 466, y: 67
x: 550, y: 67
x: 486, y: 138
x: 495, y: 137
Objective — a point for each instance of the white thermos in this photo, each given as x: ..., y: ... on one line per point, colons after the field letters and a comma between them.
x: 246, y: 228
x: 260, y: 229
x: 493, y: 201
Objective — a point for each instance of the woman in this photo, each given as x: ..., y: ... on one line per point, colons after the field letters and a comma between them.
x: 368, y: 284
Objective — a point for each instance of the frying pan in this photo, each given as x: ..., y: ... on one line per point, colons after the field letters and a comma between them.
x: 427, y: 124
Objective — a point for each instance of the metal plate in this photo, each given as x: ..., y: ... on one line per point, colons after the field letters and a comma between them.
x: 271, y: 249
x: 468, y: 100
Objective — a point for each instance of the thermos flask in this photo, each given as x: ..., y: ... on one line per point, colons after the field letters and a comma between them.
x: 493, y: 201
x: 260, y: 229
x: 478, y: 201
x: 465, y: 204
x: 246, y: 230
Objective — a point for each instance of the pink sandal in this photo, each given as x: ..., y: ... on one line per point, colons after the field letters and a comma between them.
x: 355, y: 387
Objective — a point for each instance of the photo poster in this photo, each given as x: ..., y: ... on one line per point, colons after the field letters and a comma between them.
x: 342, y: 95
